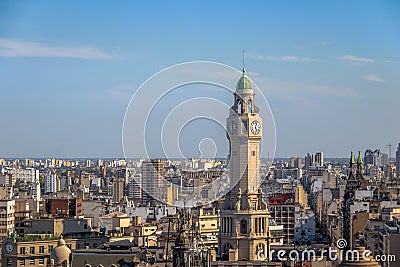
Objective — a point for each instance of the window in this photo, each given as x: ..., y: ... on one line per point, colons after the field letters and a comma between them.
x: 243, y: 226
x: 22, y: 262
x: 9, y: 262
x: 32, y: 250
x: 32, y: 261
x: 41, y: 249
x: 22, y: 250
x: 50, y: 248
x: 41, y: 261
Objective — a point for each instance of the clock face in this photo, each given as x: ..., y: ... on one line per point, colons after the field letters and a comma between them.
x: 232, y: 127
x: 9, y: 247
x: 255, y: 127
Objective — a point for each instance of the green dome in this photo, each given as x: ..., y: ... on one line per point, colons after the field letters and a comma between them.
x: 244, y: 82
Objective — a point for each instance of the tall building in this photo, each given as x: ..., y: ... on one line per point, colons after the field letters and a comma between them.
x: 118, y: 190
x: 309, y: 161
x: 319, y: 158
x: 375, y: 158
x: 398, y: 161
x: 134, y: 184
x: 7, y: 219
x: 152, y: 180
x: 244, y: 215
x: 296, y: 163
x: 50, y: 182
x: 35, y: 189
x: 353, y: 183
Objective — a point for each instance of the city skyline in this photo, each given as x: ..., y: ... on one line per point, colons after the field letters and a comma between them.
x: 68, y: 71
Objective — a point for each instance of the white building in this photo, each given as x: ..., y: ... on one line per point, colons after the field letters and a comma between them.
x: 134, y: 184
x: 50, y: 182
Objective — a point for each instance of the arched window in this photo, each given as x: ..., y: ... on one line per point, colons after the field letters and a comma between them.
x: 239, y: 106
x: 249, y: 106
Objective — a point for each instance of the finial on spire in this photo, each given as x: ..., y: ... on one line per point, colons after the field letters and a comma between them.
x: 244, y: 61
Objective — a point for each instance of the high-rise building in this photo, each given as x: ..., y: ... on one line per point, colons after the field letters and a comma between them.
x: 134, y: 184
x: 296, y: 163
x: 398, y: 161
x: 152, y: 180
x: 35, y: 188
x: 244, y: 224
x: 319, y: 158
x: 50, y: 182
x: 309, y: 161
x: 375, y: 158
x: 118, y: 190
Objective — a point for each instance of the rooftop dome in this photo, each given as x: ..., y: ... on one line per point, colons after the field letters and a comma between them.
x: 60, y: 254
x: 244, y: 82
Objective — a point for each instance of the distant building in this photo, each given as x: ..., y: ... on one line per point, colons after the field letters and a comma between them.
x: 134, y: 185
x: 296, y: 162
x: 50, y: 182
x: 118, y: 190
x: 309, y: 161
x: 398, y: 161
x: 64, y: 207
x: 313, y: 160
x: 319, y: 159
x: 286, y: 173
x: 375, y: 158
x: 152, y: 180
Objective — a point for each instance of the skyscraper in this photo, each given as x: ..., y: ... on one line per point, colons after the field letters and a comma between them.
x: 319, y: 158
x: 152, y: 180
x: 398, y: 161
x: 244, y: 215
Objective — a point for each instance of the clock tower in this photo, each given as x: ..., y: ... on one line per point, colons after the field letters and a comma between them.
x: 244, y: 228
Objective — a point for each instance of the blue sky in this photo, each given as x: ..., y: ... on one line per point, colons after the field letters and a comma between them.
x: 330, y: 69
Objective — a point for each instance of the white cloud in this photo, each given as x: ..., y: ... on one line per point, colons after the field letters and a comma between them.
x: 305, y: 90
x: 373, y: 78
x: 284, y: 58
x: 355, y: 59
x: 326, y: 43
x: 13, y: 48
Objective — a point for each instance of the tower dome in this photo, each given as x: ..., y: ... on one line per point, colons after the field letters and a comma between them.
x: 244, y: 82
x: 60, y: 254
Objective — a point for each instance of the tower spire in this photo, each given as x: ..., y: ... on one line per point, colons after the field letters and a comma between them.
x: 244, y: 61
x: 359, y: 159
